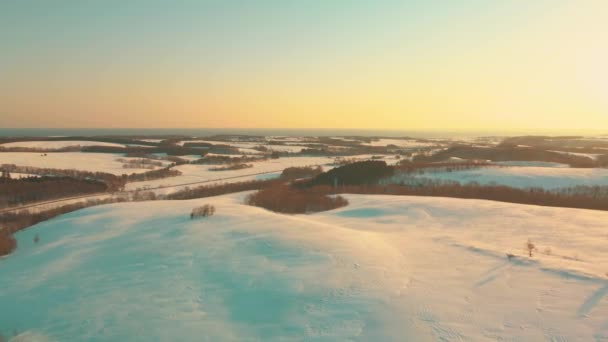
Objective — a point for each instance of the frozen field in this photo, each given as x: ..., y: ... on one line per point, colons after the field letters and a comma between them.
x: 381, y: 269
x: 522, y: 177
x: 93, y: 162
x: 57, y: 144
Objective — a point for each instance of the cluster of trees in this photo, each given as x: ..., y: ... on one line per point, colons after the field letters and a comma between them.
x: 220, y: 160
x: 153, y: 174
x: 562, y: 143
x: 292, y: 173
x: 211, y: 148
x: 203, y: 211
x: 364, y: 172
x: 237, y: 166
x: 34, y: 189
x: 599, y: 192
x: 139, y: 163
x: 174, y: 159
x: 506, y: 153
x: 407, y: 166
x: 113, y: 182
x: 341, y: 161
x: 290, y: 200
x: 198, y: 144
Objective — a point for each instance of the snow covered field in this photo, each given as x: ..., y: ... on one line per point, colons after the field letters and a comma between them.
x: 521, y: 177
x: 400, y: 143
x: 381, y: 269
x: 57, y: 144
x: 247, y: 147
x: 93, y: 162
x: 198, y: 173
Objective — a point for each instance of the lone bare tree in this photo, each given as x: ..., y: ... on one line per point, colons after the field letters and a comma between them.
x: 530, y: 247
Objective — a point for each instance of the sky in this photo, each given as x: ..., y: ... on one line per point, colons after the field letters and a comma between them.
x: 406, y: 65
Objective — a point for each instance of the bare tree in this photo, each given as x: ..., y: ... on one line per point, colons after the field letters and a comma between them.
x: 530, y: 247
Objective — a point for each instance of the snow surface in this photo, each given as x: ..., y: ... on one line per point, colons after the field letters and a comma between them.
x: 384, y: 268
x: 58, y: 144
x: 84, y: 161
x: 519, y: 177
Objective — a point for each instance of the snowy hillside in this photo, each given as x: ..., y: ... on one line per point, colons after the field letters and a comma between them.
x: 520, y: 177
x: 383, y: 268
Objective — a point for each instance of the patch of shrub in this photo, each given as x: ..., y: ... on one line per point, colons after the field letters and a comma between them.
x: 284, y: 199
x: 153, y: 174
x: 144, y: 196
x: 204, y: 211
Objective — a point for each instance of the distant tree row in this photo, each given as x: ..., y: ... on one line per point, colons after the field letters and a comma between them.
x: 507, y: 153
x: 34, y: 189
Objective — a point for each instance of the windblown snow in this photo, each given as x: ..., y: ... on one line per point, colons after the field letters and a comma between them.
x: 383, y: 268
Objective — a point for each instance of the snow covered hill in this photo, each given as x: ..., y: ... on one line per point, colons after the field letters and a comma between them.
x: 383, y: 268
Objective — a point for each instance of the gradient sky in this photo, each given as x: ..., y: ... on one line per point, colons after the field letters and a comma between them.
x: 432, y: 64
